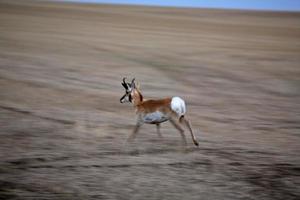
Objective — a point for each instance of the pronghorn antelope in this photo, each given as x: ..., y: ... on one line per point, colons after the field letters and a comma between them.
x: 156, y: 111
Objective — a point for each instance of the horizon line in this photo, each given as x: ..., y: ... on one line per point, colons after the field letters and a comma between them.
x: 174, y: 5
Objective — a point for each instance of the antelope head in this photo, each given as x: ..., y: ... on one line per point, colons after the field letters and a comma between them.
x: 129, y: 87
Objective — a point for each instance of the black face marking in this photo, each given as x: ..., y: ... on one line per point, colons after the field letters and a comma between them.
x: 130, y: 98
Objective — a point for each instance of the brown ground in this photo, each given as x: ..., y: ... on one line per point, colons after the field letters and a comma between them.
x: 63, y: 129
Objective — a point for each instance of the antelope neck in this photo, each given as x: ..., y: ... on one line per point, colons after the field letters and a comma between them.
x: 137, y: 97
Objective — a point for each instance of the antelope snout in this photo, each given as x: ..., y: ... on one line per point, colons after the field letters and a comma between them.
x: 122, y: 99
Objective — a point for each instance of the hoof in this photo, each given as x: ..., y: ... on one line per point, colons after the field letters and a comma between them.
x: 196, y: 143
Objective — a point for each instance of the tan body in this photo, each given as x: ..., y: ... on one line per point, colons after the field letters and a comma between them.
x: 154, y: 111
x: 148, y: 106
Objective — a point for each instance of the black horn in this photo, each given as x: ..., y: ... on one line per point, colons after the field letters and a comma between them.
x: 124, y: 83
x: 132, y: 83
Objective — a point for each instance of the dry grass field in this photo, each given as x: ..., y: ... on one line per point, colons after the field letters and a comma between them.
x: 63, y: 129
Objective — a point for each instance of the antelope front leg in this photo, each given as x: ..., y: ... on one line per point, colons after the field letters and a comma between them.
x: 135, y: 130
x: 181, y: 131
x: 158, y: 130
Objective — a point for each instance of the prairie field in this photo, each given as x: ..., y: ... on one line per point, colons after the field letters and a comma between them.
x: 63, y: 129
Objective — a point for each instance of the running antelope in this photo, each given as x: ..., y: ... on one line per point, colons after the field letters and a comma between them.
x: 156, y: 111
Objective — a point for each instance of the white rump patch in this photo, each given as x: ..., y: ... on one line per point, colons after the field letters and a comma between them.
x: 178, y: 106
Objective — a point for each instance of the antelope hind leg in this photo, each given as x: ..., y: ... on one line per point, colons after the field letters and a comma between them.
x: 188, y: 125
x: 181, y: 131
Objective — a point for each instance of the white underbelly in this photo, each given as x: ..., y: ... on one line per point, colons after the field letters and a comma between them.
x: 155, y: 117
